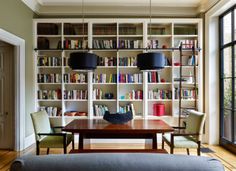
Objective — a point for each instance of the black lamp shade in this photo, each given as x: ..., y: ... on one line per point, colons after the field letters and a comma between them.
x: 82, y: 61
x: 151, y: 61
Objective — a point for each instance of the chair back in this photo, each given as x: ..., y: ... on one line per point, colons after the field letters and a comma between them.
x: 195, y: 122
x: 41, y: 123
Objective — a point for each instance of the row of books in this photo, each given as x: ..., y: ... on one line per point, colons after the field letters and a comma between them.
x: 99, y: 110
x: 133, y: 95
x: 154, y: 77
x: 127, y: 108
x: 97, y: 94
x: 107, y: 61
x: 192, y: 60
x: 130, y: 30
x: 130, y: 78
x: 49, y: 61
x: 104, y: 78
x: 104, y: 44
x: 75, y: 78
x: 130, y: 44
x: 49, y: 78
x: 159, y: 94
x: 75, y: 94
x: 49, y: 94
x: 75, y: 44
x: 105, y: 30
x: 51, y: 110
x: 152, y: 44
x: 127, y: 61
x: 186, y: 94
x: 186, y: 43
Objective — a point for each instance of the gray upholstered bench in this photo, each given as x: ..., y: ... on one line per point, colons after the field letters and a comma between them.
x: 116, y: 162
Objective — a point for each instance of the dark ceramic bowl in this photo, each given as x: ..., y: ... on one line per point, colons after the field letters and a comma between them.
x: 118, y: 118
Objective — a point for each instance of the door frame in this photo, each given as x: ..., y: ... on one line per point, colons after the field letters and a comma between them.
x: 19, y: 80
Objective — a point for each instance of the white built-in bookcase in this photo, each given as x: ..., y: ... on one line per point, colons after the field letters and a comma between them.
x: 168, y: 32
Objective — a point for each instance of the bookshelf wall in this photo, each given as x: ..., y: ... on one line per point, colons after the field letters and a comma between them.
x: 117, y: 84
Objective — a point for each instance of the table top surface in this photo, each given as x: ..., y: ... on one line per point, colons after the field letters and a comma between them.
x: 93, y: 125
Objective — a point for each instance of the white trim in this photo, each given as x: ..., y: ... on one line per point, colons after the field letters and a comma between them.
x: 32, y: 4
x: 29, y: 140
x: 212, y: 70
x: 19, y: 86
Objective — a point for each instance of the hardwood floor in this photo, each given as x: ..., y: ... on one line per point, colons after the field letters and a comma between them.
x: 228, y: 159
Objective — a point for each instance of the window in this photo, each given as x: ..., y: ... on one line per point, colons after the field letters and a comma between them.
x: 228, y: 78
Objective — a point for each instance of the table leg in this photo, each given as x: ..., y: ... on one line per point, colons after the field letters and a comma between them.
x: 81, y: 141
x: 154, y: 141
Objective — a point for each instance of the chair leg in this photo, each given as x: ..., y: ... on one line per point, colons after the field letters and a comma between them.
x: 187, y: 151
x: 37, y: 148
x: 73, y: 142
x: 162, y: 142
x: 171, y: 150
x: 65, y: 150
x: 47, y: 150
x: 199, y: 148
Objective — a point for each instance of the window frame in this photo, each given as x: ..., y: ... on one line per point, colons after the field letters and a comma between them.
x: 222, y: 46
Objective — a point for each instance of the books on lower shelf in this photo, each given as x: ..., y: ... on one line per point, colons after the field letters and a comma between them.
x: 107, y: 61
x: 186, y: 94
x: 154, y: 77
x: 99, y: 110
x: 97, y: 94
x: 49, y: 78
x: 130, y: 44
x: 127, y: 61
x: 104, y: 44
x: 192, y: 60
x: 186, y: 43
x: 51, y: 111
x: 75, y: 78
x: 130, y: 78
x: 159, y: 94
x: 75, y: 44
x: 76, y: 94
x: 49, y: 94
x: 152, y: 44
x: 104, y: 78
x: 48, y: 61
x: 133, y: 95
x: 127, y: 108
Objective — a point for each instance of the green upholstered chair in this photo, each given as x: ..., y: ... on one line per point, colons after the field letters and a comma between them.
x: 47, y: 136
x: 188, y: 136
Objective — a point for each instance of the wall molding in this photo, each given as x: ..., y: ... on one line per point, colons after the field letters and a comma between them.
x: 19, y: 56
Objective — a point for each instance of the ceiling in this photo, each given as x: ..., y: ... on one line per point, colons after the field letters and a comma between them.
x: 120, y: 7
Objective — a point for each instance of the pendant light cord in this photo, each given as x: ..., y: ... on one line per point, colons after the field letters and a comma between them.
x: 83, y: 22
x: 150, y: 24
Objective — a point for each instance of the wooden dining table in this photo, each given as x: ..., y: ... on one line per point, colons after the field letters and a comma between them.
x: 101, y: 129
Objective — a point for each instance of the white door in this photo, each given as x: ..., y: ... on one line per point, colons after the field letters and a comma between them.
x: 6, y: 96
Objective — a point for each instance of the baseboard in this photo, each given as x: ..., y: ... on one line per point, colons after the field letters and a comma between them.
x: 29, y: 141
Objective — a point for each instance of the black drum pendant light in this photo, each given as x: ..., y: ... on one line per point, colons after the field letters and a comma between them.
x: 151, y: 60
x: 82, y: 61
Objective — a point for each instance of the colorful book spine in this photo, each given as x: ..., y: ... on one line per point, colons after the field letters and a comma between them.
x: 48, y: 61
x: 107, y: 61
x: 49, y: 94
x: 76, y: 94
x: 130, y: 78
x: 49, y: 78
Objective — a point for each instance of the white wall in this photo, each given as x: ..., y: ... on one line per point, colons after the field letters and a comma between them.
x: 212, y: 70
